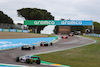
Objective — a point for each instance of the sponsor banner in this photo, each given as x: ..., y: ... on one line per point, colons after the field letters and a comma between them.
x: 19, y: 30
x: 25, y: 31
x: 6, y: 30
x: 12, y: 30
x: 95, y: 35
x: 99, y: 35
x: 60, y: 22
x: 1, y: 29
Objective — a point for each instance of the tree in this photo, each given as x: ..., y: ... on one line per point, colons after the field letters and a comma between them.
x: 56, y: 29
x: 35, y: 14
x: 96, y: 27
x: 79, y: 28
x: 20, y: 24
x: 5, y: 18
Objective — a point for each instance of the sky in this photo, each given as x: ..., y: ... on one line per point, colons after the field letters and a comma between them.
x: 66, y: 9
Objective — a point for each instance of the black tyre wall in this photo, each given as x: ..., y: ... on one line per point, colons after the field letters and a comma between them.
x: 17, y: 59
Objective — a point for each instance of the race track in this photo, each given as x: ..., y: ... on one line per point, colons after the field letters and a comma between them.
x: 7, y: 56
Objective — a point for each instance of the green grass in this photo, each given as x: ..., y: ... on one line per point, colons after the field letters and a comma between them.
x: 86, y: 56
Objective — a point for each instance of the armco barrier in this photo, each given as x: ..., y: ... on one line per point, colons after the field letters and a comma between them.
x: 14, y: 43
x: 13, y: 30
x: 6, y: 30
x: 95, y: 35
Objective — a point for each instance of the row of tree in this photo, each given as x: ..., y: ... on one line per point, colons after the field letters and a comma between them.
x: 5, y: 18
x: 82, y: 28
x: 96, y: 27
x: 42, y: 14
x: 35, y: 14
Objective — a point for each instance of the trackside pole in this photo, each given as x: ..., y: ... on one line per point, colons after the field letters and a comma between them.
x: 93, y: 29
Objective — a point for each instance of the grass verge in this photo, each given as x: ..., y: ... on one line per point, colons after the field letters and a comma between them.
x: 49, y: 35
x: 86, y: 56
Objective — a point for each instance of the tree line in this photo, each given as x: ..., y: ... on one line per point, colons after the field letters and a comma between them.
x: 5, y: 18
x: 82, y: 28
x: 42, y: 14
x: 35, y: 14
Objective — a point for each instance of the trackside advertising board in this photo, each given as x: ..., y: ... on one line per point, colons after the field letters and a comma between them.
x: 13, y: 30
x: 60, y: 22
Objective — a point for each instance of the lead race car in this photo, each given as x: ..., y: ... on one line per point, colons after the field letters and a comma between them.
x: 27, y: 47
x: 44, y: 43
x: 28, y: 59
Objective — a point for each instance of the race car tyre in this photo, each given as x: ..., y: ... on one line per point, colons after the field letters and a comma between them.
x: 33, y: 47
x: 17, y: 59
x: 29, y: 48
x: 40, y: 44
x: 46, y: 44
x: 31, y: 61
x: 22, y: 48
x: 51, y: 44
x: 28, y: 61
x: 38, y: 61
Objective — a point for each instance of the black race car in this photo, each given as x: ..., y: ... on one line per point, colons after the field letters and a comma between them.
x: 28, y: 59
x: 27, y: 47
x: 44, y: 43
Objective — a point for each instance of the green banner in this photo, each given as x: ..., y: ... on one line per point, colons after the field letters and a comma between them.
x: 58, y: 22
x: 6, y: 30
x: 39, y: 22
x: 19, y: 30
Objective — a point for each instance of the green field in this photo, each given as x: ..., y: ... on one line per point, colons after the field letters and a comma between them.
x: 86, y: 56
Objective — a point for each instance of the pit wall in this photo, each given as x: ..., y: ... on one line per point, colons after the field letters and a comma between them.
x: 14, y: 43
x: 13, y: 30
x: 95, y: 35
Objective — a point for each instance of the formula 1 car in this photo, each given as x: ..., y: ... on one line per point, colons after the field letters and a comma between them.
x: 44, y: 43
x: 64, y: 37
x: 27, y: 47
x: 71, y: 34
x: 28, y: 59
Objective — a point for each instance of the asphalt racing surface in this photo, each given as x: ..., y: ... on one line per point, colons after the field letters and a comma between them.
x: 7, y: 56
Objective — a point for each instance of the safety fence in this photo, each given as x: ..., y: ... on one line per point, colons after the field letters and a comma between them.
x: 95, y: 35
x: 13, y: 30
x: 14, y: 43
